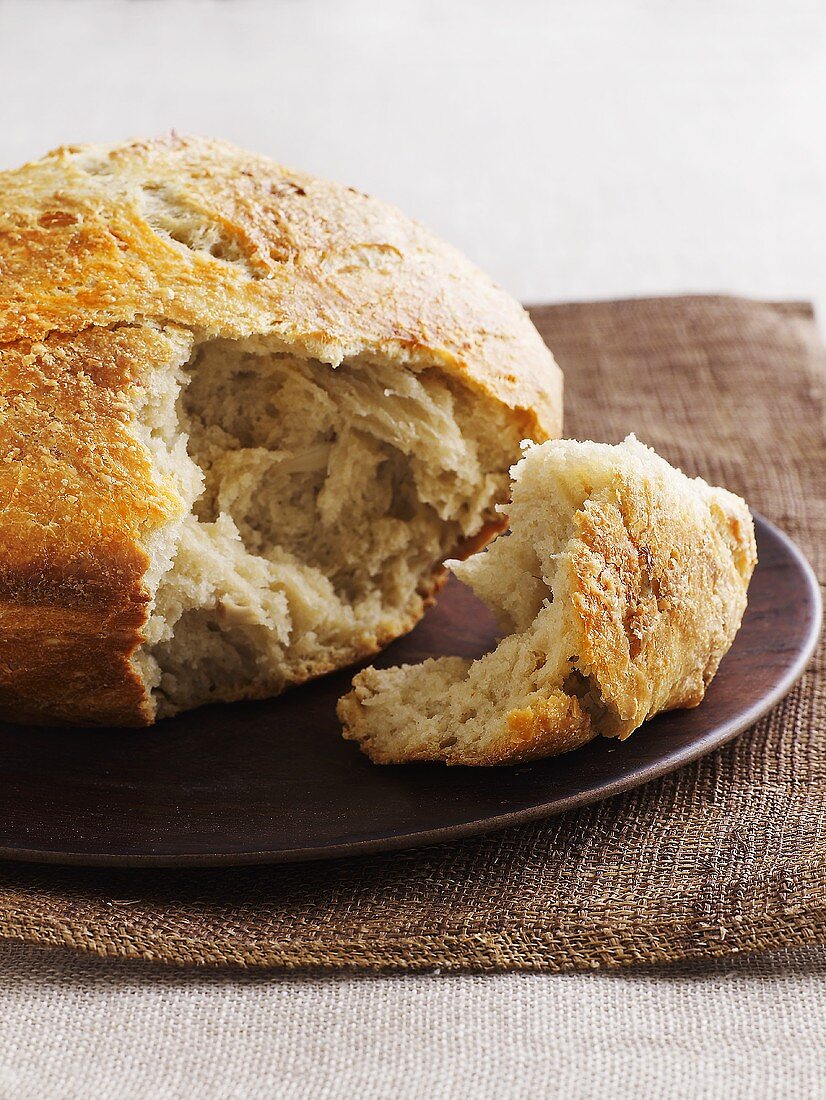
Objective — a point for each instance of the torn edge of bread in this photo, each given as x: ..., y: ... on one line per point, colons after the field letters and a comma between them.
x: 620, y: 586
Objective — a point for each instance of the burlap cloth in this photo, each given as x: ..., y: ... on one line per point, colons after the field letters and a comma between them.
x: 727, y: 856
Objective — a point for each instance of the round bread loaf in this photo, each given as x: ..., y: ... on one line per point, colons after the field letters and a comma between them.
x: 245, y: 415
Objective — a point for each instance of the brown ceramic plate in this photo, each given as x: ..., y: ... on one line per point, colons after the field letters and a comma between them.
x: 274, y: 781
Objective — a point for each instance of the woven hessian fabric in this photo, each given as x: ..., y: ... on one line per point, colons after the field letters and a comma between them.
x: 726, y: 856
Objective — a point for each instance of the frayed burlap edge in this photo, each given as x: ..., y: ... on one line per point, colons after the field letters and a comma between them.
x: 549, y: 951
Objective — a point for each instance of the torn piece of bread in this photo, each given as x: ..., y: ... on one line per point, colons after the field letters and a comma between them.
x: 245, y: 414
x: 620, y: 587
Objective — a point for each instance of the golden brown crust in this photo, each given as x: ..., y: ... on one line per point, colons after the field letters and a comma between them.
x: 77, y: 501
x: 333, y: 272
x: 545, y: 728
x: 658, y: 588
x: 93, y: 286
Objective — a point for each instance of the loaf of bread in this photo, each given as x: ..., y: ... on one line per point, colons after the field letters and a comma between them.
x: 620, y: 587
x: 245, y: 415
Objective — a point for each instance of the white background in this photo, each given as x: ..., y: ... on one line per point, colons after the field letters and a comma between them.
x: 576, y: 150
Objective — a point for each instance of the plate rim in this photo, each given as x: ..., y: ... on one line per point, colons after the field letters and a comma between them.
x: 422, y: 838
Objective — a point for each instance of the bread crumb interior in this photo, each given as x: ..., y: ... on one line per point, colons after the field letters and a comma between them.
x: 319, y: 499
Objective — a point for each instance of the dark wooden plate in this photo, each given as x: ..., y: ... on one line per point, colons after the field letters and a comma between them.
x: 274, y: 781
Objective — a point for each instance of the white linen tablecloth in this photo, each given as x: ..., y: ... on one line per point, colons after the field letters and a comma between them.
x: 79, y: 1028
x: 598, y: 149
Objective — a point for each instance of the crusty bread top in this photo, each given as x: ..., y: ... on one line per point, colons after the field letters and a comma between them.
x: 95, y: 235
